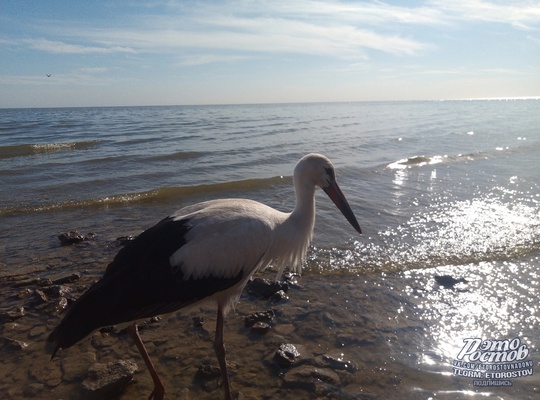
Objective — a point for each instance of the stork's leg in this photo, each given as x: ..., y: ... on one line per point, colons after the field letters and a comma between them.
x: 159, y: 389
x: 219, y: 348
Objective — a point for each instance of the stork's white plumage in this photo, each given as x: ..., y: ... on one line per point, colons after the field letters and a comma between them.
x: 207, y: 251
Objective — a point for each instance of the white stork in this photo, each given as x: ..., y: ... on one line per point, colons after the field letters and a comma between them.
x: 207, y: 251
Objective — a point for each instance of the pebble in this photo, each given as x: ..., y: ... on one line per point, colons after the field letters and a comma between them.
x: 105, y: 380
x: 308, y: 377
x: 260, y: 316
x: 260, y: 328
x: 70, y: 237
x: 286, y: 355
x: 265, y: 288
x: 337, y: 361
x: 13, y: 344
x: 12, y: 315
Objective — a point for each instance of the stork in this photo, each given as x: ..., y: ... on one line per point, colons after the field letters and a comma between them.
x: 206, y: 251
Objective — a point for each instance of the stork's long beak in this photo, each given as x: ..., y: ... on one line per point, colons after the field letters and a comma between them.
x: 336, y: 195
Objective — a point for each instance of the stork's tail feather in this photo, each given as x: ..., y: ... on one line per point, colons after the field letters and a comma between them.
x: 102, y: 305
x: 84, y: 316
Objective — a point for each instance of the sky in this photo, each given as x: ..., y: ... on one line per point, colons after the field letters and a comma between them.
x: 124, y: 53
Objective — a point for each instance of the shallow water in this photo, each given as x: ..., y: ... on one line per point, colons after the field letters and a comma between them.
x: 439, y: 188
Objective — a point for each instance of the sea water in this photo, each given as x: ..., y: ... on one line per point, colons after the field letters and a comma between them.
x: 438, y: 187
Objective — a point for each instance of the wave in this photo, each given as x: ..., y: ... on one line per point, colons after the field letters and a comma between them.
x: 416, y: 161
x: 155, y: 195
x: 422, y: 160
x: 24, y: 150
x: 483, y: 229
x: 181, y: 155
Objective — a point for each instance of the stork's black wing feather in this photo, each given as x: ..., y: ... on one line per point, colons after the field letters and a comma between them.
x: 139, y: 283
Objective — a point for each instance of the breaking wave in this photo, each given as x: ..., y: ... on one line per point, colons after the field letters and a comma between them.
x: 24, y: 150
x: 154, y: 195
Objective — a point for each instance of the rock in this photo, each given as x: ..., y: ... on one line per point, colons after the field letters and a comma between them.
x: 104, y: 380
x: 70, y: 237
x: 24, y: 294
x: 265, y: 288
x: 336, y: 360
x: 40, y: 296
x: 13, y: 344
x: 207, y: 371
x: 60, y: 305
x: 286, y: 355
x: 44, y: 282
x: 57, y: 291
x: 261, y: 316
x: 280, y: 295
x: 260, y: 328
x: 123, y: 240
x: 291, y: 278
x: 73, y: 237
x: 12, y: 315
x: 198, y: 322
x: 310, y: 378
x: 34, y: 282
x: 67, y: 279
x: 448, y: 282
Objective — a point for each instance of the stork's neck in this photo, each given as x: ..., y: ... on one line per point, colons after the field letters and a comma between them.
x: 304, y: 210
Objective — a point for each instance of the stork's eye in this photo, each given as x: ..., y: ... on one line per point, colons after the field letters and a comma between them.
x: 330, y: 176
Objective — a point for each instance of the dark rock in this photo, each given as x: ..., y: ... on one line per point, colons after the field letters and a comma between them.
x: 70, y: 237
x: 34, y: 282
x: 57, y: 291
x: 261, y: 316
x: 105, y: 380
x: 40, y: 296
x: 286, y: 355
x: 12, y: 315
x: 24, y: 294
x: 67, y: 279
x: 73, y: 237
x: 291, y: 277
x: 44, y: 282
x: 336, y: 361
x: 13, y: 344
x: 448, y: 282
x: 109, y: 329
x: 60, y: 305
x: 308, y: 377
x: 280, y: 295
x: 265, y: 288
x: 260, y: 328
x: 198, y: 322
x: 123, y: 240
x: 206, y: 372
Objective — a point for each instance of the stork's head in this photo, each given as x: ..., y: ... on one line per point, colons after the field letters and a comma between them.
x: 317, y: 170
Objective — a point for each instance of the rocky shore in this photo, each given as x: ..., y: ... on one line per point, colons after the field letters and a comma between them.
x: 311, y: 337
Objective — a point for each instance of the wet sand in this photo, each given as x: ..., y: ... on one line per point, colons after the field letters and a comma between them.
x: 376, y: 324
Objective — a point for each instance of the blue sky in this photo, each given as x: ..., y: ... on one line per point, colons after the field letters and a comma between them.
x: 109, y: 53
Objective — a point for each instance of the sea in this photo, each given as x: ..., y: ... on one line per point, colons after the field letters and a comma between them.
x: 438, y: 298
